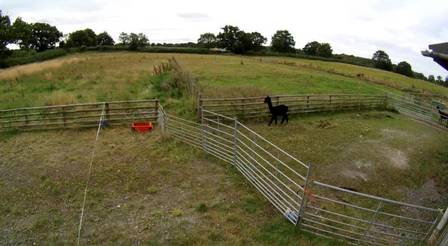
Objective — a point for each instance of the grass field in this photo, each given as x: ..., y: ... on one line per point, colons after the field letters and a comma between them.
x: 154, y: 191
x: 91, y: 77
x: 159, y: 194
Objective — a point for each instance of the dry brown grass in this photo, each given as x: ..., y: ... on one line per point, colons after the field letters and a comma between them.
x: 143, y: 190
x: 18, y: 71
x: 60, y: 98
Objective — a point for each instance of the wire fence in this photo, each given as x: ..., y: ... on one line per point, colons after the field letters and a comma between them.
x: 77, y: 115
x: 316, y: 207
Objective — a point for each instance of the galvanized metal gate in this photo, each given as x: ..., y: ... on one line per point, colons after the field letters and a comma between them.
x: 318, y: 208
x: 360, y: 218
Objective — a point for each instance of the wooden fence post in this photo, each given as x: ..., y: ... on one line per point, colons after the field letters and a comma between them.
x: 156, y: 113
x: 359, y: 103
x: 243, y: 113
x: 63, y: 115
x: 331, y: 108
x: 26, y: 117
x: 107, y: 108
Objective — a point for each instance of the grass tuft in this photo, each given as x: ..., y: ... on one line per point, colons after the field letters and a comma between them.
x: 202, y: 208
x: 60, y: 98
x: 177, y: 212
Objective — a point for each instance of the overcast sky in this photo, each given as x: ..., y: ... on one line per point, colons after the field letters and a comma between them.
x: 402, y: 28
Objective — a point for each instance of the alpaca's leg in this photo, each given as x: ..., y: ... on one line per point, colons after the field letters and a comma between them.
x: 270, y: 122
x: 283, y: 119
x: 275, y: 118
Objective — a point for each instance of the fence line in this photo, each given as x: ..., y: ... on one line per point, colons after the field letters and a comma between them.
x: 419, y: 110
x: 253, y: 107
x: 77, y: 115
x: 316, y: 207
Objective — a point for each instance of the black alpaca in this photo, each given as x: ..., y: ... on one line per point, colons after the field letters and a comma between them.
x: 276, y: 111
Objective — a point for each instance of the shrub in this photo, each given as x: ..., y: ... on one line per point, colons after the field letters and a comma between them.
x: 202, y: 208
x: 33, y: 57
x: 172, y: 80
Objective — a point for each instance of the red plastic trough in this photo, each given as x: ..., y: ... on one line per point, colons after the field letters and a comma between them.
x: 142, y: 126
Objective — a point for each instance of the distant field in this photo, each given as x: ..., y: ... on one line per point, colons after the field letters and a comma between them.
x: 90, y: 77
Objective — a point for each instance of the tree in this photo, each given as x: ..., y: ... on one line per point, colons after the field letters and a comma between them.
x: 5, y: 33
x: 207, y: 40
x: 238, y: 41
x: 257, y: 40
x: 311, y: 48
x: 44, y: 36
x: 243, y: 43
x: 405, y: 69
x: 104, y: 39
x: 283, y: 41
x: 228, y: 37
x: 86, y: 37
x: 124, y: 38
x: 22, y: 33
x: 381, y: 60
x: 325, y: 50
x: 420, y: 76
x: 137, y: 41
x: 431, y: 78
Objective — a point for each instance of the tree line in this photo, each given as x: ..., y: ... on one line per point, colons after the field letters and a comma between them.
x: 237, y: 41
x: 42, y: 36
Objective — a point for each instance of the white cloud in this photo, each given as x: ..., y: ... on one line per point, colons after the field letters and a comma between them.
x: 401, y: 28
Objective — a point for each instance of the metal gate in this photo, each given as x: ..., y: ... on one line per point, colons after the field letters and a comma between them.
x: 318, y: 208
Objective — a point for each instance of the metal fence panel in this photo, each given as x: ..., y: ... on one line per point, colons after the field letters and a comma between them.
x: 284, y: 181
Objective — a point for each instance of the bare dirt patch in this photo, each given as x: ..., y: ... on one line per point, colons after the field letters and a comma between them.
x: 354, y: 174
x: 397, y: 158
x: 427, y: 192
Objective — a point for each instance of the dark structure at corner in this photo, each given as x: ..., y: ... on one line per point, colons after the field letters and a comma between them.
x: 439, y: 53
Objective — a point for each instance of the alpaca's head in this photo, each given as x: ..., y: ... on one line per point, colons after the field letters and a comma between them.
x: 267, y: 99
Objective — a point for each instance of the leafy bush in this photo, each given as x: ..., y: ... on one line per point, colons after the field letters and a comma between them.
x: 34, y: 57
